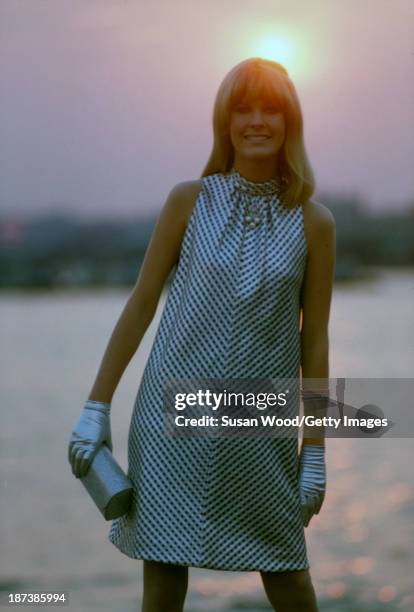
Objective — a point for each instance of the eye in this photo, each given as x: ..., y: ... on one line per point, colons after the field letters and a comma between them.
x: 271, y: 109
x: 242, y: 108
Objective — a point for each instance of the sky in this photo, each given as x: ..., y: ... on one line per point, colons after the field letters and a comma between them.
x: 107, y: 104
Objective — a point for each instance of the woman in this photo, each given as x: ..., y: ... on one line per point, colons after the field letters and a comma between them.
x: 250, y: 298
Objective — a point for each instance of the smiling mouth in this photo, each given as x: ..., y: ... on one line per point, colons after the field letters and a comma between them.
x: 257, y: 138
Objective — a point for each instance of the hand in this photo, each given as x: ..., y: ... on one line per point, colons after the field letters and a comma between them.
x: 92, y: 429
x: 312, y: 480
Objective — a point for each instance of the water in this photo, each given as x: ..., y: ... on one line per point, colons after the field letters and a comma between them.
x: 361, y: 546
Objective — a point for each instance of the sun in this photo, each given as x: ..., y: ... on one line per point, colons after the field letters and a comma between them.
x: 277, y: 48
x: 286, y: 46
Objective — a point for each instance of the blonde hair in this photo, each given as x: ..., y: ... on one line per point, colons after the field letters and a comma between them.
x: 270, y: 81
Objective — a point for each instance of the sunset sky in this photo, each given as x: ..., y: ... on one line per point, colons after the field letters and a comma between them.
x: 107, y: 104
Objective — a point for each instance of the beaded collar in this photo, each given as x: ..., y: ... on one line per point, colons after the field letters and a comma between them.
x: 252, y: 188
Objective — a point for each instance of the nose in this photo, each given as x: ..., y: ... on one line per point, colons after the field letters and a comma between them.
x: 256, y: 116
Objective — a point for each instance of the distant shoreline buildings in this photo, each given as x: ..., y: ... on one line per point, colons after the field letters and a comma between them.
x: 61, y: 250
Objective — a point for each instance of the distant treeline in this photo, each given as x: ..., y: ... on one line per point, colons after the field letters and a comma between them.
x: 365, y: 239
x: 54, y: 251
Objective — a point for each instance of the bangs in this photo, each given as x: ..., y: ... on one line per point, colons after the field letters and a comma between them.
x: 259, y: 84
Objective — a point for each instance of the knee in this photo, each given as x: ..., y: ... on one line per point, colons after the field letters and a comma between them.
x: 292, y: 589
x: 287, y: 580
x: 299, y: 580
x: 165, y: 587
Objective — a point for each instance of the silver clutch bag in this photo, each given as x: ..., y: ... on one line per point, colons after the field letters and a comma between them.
x: 106, y: 483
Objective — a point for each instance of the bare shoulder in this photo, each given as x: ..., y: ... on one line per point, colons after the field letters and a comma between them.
x: 318, y: 220
x: 184, y: 196
x: 317, y: 215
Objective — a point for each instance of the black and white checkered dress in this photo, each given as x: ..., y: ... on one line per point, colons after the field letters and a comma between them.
x: 232, y: 311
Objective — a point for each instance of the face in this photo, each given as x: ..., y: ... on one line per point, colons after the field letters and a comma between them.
x: 257, y: 130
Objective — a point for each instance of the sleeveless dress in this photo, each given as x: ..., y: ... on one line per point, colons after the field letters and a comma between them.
x: 232, y: 311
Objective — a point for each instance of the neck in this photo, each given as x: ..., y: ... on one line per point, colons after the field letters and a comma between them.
x: 258, y: 170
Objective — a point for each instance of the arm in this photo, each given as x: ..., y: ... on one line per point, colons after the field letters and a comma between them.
x: 315, y: 301
x: 162, y: 254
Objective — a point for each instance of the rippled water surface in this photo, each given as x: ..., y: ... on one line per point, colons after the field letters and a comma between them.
x: 361, y: 545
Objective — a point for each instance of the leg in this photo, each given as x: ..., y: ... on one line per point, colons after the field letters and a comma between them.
x: 290, y: 591
x: 165, y: 587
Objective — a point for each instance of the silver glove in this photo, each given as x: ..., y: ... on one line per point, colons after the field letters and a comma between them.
x: 312, y: 479
x: 92, y: 429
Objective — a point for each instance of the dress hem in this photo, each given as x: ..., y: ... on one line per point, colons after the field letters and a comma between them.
x: 201, y: 565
